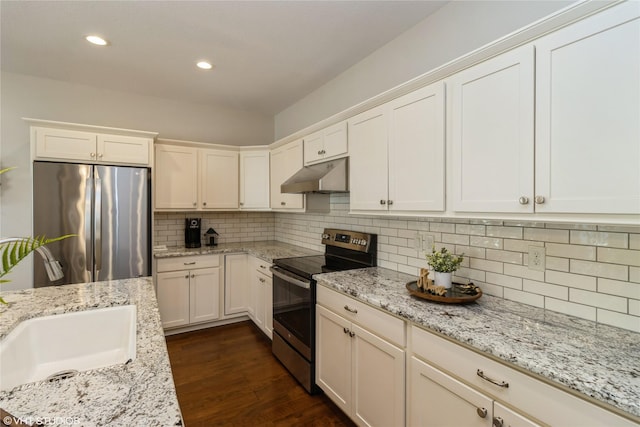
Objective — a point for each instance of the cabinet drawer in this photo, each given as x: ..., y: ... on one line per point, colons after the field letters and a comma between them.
x: 373, y: 319
x: 260, y: 265
x: 535, y: 397
x: 188, y: 262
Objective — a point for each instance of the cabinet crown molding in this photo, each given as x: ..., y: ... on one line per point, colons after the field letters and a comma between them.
x: 89, y: 128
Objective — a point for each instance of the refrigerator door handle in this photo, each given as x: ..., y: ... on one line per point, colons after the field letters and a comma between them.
x: 98, y: 223
x: 88, y: 225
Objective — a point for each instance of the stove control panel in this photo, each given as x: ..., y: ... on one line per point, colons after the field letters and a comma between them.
x: 347, y: 239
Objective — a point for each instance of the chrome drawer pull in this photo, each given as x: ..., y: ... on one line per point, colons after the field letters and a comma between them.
x: 491, y: 380
x: 482, y: 412
x: 350, y: 310
x: 189, y: 263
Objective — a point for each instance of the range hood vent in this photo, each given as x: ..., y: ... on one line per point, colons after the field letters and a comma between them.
x: 327, y: 177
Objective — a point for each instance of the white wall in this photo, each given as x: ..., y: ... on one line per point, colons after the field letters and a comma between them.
x: 26, y: 96
x: 454, y: 30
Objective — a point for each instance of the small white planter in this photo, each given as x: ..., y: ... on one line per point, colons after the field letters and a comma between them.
x: 442, y: 279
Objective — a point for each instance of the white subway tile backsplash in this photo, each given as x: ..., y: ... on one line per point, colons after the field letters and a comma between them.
x: 619, y: 320
x: 617, y: 287
x: 619, y: 256
x: 546, y: 235
x: 599, y: 269
x: 592, y: 271
x: 572, y: 280
x: 570, y: 308
x: 546, y: 289
x: 595, y: 299
x: 506, y: 232
x: 599, y: 238
x: 571, y: 251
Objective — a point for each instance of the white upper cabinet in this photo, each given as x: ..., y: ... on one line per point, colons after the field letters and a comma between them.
x: 491, y: 134
x: 176, y: 177
x: 285, y: 161
x: 416, y: 150
x: 254, y: 179
x: 219, y: 179
x: 588, y: 115
x: 397, y: 154
x: 326, y: 144
x: 368, y: 167
x: 91, y: 147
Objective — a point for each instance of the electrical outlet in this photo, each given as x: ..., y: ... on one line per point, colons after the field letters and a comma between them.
x: 536, y: 258
x: 427, y: 242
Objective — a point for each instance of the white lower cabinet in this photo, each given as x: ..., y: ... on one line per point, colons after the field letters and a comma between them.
x: 236, y: 283
x: 360, y: 371
x: 261, y: 295
x: 188, y: 290
x: 473, y: 382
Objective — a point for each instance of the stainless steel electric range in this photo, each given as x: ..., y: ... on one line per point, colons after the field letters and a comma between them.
x: 294, y: 297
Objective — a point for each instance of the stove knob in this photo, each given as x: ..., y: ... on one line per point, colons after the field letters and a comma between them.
x: 325, y: 236
x: 363, y: 242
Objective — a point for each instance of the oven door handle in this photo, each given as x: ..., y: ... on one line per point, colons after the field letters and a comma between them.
x: 290, y: 278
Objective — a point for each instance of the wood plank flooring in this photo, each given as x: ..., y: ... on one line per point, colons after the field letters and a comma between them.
x: 227, y: 376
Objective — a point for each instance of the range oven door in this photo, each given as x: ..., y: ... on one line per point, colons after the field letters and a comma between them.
x: 293, y: 313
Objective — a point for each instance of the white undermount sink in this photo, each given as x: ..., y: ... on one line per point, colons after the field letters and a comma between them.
x: 45, y: 346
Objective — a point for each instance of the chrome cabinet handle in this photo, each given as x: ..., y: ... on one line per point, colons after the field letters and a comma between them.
x: 92, y: 155
x: 539, y: 200
x: 283, y: 203
x: 195, y: 204
x: 350, y: 310
x: 482, y: 412
x: 261, y: 279
x: 383, y: 202
x: 186, y: 277
x: 189, y: 263
x: 100, y: 155
x: 319, y: 152
x: 241, y: 203
x: 389, y: 202
x: 491, y: 380
x: 204, y: 203
x: 498, y: 422
x: 346, y: 330
x: 193, y: 275
x: 263, y: 266
x: 523, y: 200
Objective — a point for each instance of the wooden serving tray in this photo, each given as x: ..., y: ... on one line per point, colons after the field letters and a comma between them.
x: 454, y: 294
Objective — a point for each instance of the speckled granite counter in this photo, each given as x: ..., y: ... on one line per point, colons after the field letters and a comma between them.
x: 139, y: 393
x: 597, y: 360
x: 267, y: 250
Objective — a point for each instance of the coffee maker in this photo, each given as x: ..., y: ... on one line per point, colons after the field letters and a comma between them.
x: 192, y: 232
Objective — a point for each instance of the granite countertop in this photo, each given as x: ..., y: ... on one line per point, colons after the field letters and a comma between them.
x: 138, y: 393
x: 266, y: 250
x: 599, y: 361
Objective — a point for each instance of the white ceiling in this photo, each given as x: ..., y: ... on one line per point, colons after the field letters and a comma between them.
x: 267, y: 54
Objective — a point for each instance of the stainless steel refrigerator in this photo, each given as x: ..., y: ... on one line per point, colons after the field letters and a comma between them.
x: 107, y: 207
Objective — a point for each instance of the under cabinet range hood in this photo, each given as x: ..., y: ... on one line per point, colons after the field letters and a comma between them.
x: 327, y: 177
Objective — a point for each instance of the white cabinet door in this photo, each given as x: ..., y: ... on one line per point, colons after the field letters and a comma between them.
x: 378, y: 380
x: 416, y: 150
x: 123, y: 149
x: 285, y: 161
x: 313, y: 146
x: 333, y: 357
x: 173, y: 298
x: 258, y: 288
x: 204, y: 294
x: 505, y: 417
x: 587, y: 115
x: 368, y: 167
x: 254, y: 179
x: 219, y: 179
x: 236, y: 277
x: 491, y: 110
x: 268, y: 306
x: 65, y: 144
x: 176, y: 177
x: 436, y: 399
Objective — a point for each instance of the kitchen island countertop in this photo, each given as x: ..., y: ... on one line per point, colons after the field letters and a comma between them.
x: 596, y: 360
x: 141, y: 392
x: 266, y: 250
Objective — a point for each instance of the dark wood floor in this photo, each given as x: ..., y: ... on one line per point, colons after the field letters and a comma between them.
x: 227, y: 376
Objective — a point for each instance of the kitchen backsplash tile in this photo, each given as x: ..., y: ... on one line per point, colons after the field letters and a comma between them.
x: 592, y: 271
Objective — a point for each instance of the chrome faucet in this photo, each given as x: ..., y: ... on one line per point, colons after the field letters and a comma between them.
x: 51, y: 265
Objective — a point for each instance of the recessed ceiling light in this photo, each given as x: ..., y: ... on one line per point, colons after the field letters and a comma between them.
x: 204, y: 65
x: 97, y: 40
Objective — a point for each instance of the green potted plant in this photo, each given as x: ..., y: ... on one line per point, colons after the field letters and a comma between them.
x: 443, y: 263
